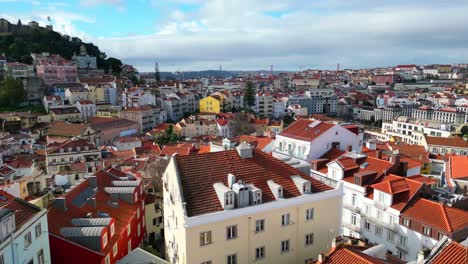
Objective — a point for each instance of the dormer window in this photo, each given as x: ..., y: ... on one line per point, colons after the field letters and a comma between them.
x: 229, y: 199
x: 426, y: 231
x: 406, y: 222
x: 280, y: 192
x: 70, y: 149
x: 306, y: 187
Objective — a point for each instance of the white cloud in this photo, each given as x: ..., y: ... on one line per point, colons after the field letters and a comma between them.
x: 241, y: 35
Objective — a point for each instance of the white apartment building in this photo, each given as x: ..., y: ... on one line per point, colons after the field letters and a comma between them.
x: 137, y: 97
x: 308, y: 140
x: 374, y: 200
x: 244, y: 206
x: 72, y: 151
x: 23, y: 233
x: 86, y: 108
x: 413, y: 131
x: 263, y: 105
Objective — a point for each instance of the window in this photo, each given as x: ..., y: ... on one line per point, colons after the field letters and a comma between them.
x: 112, y: 229
x: 353, y: 199
x: 129, y: 246
x: 38, y: 229
x: 115, y: 249
x: 378, y: 231
x: 284, y: 246
x: 27, y: 239
x: 129, y: 229
x: 367, y: 226
x: 259, y: 253
x: 406, y: 222
x: 104, y: 240
x: 440, y: 237
x: 426, y: 230
x: 392, y: 220
x: 381, y: 197
x: 379, y: 214
x: 260, y: 225
x: 107, y: 259
x: 138, y: 213
x: 139, y: 229
x: 310, y: 214
x: 2, y: 259
x: 207, y: 262
x: 309, y: 239
x: 354, y: 219
x: 403, y: 240
x: 232, y: 259
x: 231, y: 232
x: 285, y: 219
x: 390, y: 236
x: 205, y: 238
x: 229, y: 199
x: 367, y: 210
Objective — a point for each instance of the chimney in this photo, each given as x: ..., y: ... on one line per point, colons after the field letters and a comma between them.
x: 61, y: 203
x: 349, y: 148
x: 395, y: 160
x: 231, y: 180
x: 378, y: 154
x: 420, y: 257
x: 320, y: 258
x: 244, y: 150
x: 404, y: 168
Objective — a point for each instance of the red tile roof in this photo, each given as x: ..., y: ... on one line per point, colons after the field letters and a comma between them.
x: 437, y: 215
x: 450, y: 142
x: 302, y: 131
x: 423, y: 179
x: 19, y: 163
x: 453, y: 253
x: 71, y: 143
x: 171, y: 150
x: 24, y: 211
x: 347, y: 255
x: 402, y: 189
x: 5, y: 197
x: 199, y: 172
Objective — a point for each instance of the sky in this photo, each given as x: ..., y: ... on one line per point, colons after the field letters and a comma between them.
x: 184, y: 35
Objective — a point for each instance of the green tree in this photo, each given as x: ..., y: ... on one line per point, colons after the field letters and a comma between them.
x: 114, y: 65
x: 11, y: 92
x: 288, y: 119
x: 249, y: 94
x: 464, y: 130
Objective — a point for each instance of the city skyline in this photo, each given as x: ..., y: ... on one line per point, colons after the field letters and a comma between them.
x: 189, y: 35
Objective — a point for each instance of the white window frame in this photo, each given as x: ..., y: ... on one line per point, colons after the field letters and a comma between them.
x: 115, y: 250
x: 27, y: 239
x: 205, y: 238
x: 38, y: 229
x: 259, y: 225
x: 232, y: 259
x: 285, y: 219
x: 310, y: 214
x: 285, y: 247
x: 260, y: 253
x: 231, y: 232
x: 309, y: 239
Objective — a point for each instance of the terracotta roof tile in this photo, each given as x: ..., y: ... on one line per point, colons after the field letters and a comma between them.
x: 348, y: 255
x: 437, y: 215
x: 453, y: 253
x: 450, y: 142
x: 302, y: 131
x: 199, y: 172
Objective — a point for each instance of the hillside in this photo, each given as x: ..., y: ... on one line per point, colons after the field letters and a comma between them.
x: 19, y: 46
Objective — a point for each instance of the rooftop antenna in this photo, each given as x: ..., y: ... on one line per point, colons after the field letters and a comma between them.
x: 338, y: 67
x: 271, y: 70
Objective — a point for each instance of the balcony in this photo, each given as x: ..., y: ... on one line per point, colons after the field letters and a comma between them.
x: 402, y: 248
x: 381, y: 222
x: 352, y: 208
x: 353, y: 227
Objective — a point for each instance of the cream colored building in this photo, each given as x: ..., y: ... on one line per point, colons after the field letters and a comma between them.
x: 244, y: 206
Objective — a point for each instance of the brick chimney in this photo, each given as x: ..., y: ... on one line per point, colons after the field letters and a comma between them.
x: 378, y: 154
x: 404, y: 168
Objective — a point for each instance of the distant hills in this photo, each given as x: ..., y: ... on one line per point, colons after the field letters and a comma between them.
x: 208, y: 74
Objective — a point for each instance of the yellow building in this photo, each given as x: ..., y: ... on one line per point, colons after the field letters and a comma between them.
x: 244, y: 206
x: 211, y: 104
x: 153, y: 217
